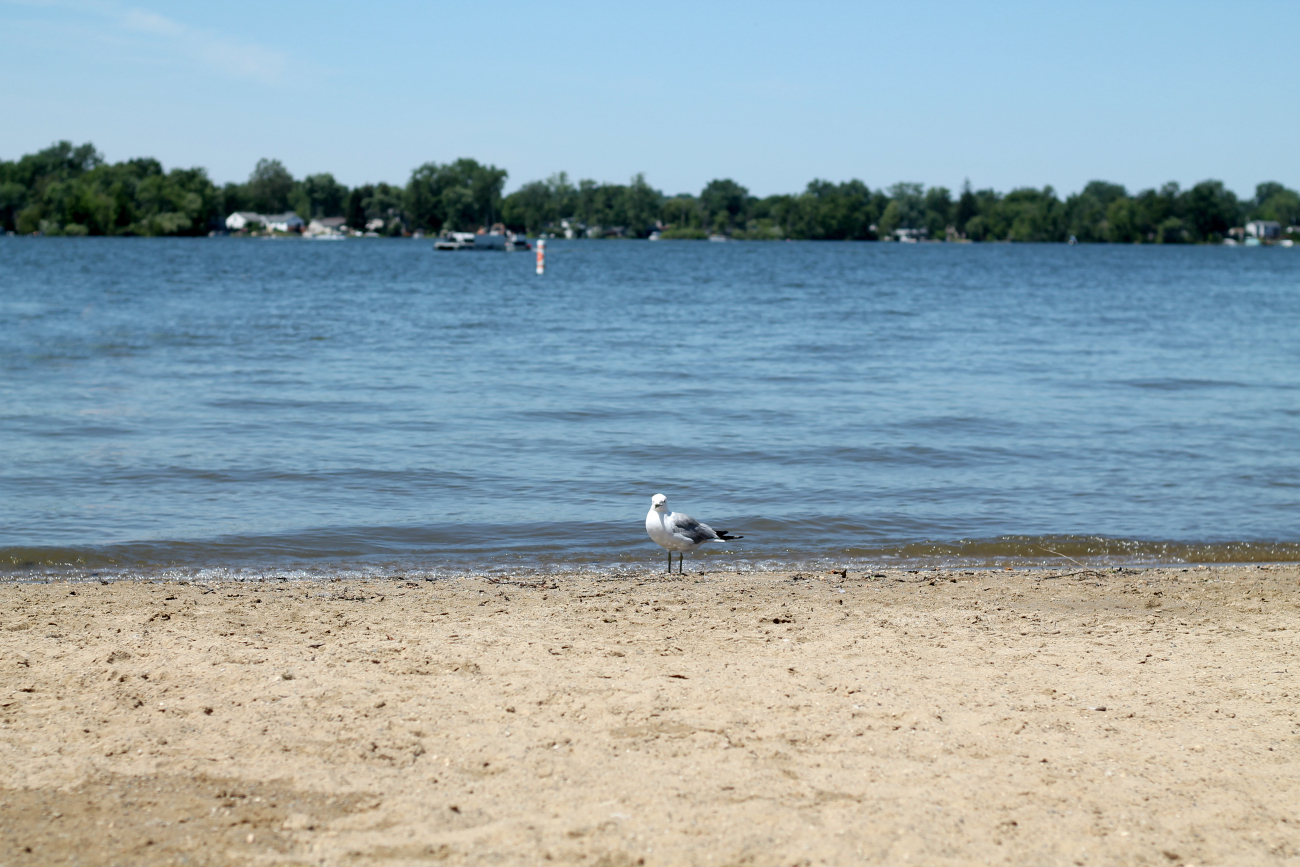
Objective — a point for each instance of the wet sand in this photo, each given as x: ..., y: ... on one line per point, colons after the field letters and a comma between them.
x: 934, y: 717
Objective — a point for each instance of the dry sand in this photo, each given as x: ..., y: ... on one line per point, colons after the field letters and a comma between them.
x: 954, y: 717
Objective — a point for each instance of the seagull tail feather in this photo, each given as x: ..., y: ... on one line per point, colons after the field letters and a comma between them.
x: 723, y: 535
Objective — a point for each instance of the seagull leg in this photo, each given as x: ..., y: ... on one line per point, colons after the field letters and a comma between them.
x: 670, y: 562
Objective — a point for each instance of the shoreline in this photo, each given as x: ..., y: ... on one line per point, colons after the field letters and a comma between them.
x: 713, y: 563
x: 942, y: 716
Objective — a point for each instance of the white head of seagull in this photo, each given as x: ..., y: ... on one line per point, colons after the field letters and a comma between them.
x: 677, y: 532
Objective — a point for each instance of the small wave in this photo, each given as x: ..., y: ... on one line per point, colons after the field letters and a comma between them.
x: 1182, y: 384
x: 1086, y: 550
x: 402, y: 552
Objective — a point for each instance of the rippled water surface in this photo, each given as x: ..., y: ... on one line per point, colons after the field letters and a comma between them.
x: 377, y: 404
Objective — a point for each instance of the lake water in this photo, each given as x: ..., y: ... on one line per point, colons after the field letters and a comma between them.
x: 272, y: 406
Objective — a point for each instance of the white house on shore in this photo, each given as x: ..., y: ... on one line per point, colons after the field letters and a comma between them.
x: 241, y: 220
x: 326, y: 226
x: 1263, y: 229
x: 286, y: 222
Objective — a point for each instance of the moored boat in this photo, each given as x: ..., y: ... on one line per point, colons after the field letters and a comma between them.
x: 481, y: 241
x: 455, y: 241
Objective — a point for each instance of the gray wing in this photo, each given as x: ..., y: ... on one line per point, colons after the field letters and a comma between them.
x: 689, y: 528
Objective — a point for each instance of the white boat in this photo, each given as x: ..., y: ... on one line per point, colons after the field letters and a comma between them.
x: 484, y: 241
x: 455, y: 241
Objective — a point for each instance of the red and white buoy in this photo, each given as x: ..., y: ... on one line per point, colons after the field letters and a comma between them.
x: 541, y: 255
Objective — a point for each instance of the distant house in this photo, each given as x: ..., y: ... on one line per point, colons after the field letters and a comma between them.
x: 1263, y: 229
x: 326, y: 226
x: 286, y: 222
x: 241, y: 220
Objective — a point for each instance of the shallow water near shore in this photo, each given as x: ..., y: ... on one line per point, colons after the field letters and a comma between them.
x: 384, y: 407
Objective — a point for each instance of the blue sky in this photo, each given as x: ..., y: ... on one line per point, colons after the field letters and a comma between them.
x: 769, y: 94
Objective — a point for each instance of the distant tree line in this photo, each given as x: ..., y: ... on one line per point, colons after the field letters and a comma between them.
x: 71, y: 190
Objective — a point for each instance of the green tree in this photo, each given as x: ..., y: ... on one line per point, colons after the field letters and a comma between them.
x: 269, y: 187
x: 460, y: 195
x: 602, y: 206
x: 540, y: 205
x: 13, y: 196
x: 642, y: 204
x: 531, y: 208
x: 42, y: 177
x: 457, y: 203
x: 322, y: 196
x: 1154, y: 207
x: 683, y: 217
x: 906, y: 208
x: 1122, y: 222
x: 1275, y: 202
x: 1171, y: 230
x: 355, y: 212
x: 725, y: 204
x: 131, y: 197
x: 1033, y: 215
x: 384, y: 202
x: 1086, y: 212
x: 622, y: 210
x: 978, y: 228
x: 825, y: 211
x: 234, y: 197
x: 564, y: 194
x: 967, y: 207
x: 1210, y: 210
x: 938, y: 211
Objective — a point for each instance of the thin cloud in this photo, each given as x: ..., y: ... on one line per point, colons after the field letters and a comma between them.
x: 235, y: 59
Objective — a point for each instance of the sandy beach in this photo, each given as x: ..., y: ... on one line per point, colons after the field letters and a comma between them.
x: 1065, y: 716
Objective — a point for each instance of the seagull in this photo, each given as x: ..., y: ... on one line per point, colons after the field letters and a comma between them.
x: 678, y: 532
